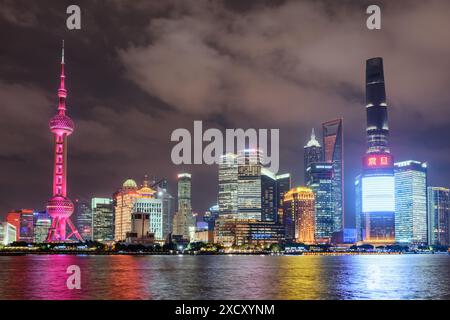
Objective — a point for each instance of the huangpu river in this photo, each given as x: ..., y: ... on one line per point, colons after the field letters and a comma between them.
x: 413, y: 276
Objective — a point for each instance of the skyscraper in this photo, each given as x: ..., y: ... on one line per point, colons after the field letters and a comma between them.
x: 42, y: 223
x: 376, y: 185
x: 59, y: 207
x: 268, y: 195
x: 26, y: 226
x: 102, y: 219
x: 298, y: 216
x: 283, y: 186
x: 320, y: 181
x: 228, y: 185
x: 13, y: 218
x: 23, y: 220
x: 249, y: 184
x: 184, y: 221
x: 168, y: 207
x: 123, y: 208
x: 333, y: 144
x: 312, y: 153
x: 7, y: 233
x: 84, y: 219
x: 411, y: 202
x: 149, y: 206
x: 439, y: 216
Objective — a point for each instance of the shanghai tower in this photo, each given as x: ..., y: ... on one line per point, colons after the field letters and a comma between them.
x: 376, y: 108
x: 375, y: 186
x: 59, y: 206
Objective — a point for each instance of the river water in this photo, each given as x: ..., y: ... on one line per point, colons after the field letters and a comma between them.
x: 228, y: 277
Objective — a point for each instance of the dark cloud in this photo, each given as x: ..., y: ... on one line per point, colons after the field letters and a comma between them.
x: 139, y: 69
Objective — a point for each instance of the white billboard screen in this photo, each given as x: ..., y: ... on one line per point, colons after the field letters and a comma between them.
x: 378, y: 194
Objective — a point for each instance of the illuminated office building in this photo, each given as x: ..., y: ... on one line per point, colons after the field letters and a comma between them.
x: 312, y: 153
x: 249, y: 184
x: 7, y: 233
x: 84, y: 219
x: 283, y: 186
x: 124, y: 201
x: 268, y: 195
x: 184, y: 221
x: 211, y: 215
x: 150, y: 210
x: 228, y: 185
x: 375, y: 187
x: 411, y: 202
x: 320, y: 181
x: 237, y: 232
x: 23, y: 220
x: 13, y: 218
x: 102, y: 219
x: 168, y: 207
x: 42, y: 223
x: 298, y: 217
x: 333, y: 152
x: 439, y: 216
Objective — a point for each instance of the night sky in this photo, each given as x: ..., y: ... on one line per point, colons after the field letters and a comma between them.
x: 137, y: 70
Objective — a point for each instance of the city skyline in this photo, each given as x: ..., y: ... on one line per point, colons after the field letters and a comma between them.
x: 99, y: 117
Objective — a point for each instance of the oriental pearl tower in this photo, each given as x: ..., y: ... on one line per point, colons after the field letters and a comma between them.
x: 59, y: 207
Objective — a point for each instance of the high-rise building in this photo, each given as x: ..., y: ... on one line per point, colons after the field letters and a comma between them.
x: 83, y: 214
x: 320, y: 181
x: 298, y: 216
x: 439, y: 216
x: 184, y: 221
x: 26, y: 232
x: 102, y: 219
x: 7, y: 233
x: 375, y: 187
x: 124, y: 200
x: 59, y: 206
x: 13, y: 218
x: 23, y: 220
x: 410, y: 202
x: 168, y: 208
x: 268, y: 196
x: 333, y: 151
x: 42, y: 223
x: 312, y: 153
x: 228, y: 185
x: 283, y: 186
x: 249, y: 184
x: 211, y: 215
x: 147, y: 205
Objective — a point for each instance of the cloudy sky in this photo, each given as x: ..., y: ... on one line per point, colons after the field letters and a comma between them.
x: 137, y: 70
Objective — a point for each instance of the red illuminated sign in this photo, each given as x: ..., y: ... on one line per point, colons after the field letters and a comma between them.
x: 378, y: 161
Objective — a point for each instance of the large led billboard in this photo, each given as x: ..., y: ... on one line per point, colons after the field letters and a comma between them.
x: 378, y: 194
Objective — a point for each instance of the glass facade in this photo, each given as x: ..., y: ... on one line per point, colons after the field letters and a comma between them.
x: 268, y: 196
x: 312, y: 153
x: 439, y: 216
x: 411, y: 202
x: 249, y: 185
x: 84, y: 219
x: 320, y: 181
x: 42, y: 223
x: 102, y: 219
x: 228, y: 185
x: 333, y: 144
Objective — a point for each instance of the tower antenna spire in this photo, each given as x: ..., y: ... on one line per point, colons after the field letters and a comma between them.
x: 62, y: 53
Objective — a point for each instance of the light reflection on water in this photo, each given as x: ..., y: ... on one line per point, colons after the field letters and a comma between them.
x: 228, y: 277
